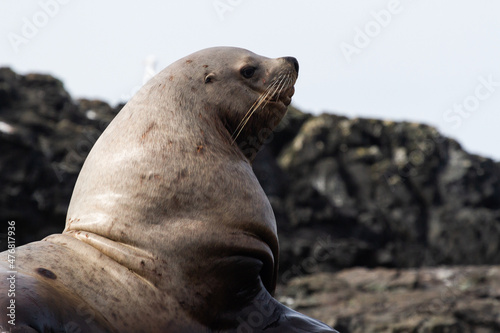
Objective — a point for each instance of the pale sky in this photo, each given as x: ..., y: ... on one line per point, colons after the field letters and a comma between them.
x: 431, y: 61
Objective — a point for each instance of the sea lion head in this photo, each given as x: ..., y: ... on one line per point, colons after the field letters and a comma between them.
x: 168, y: 190
x: 168, y: 228
x: 249, y: 93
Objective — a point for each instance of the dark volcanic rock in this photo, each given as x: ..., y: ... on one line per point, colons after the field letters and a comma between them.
x: 387, y: 194
x: 346, y: 192
x: 427, y: 300
x: 44, y: 139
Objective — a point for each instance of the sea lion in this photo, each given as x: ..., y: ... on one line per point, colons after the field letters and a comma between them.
x: 168, y: 229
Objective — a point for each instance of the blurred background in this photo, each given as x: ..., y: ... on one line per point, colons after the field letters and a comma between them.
x: 414, y: 60
x: 387, y: 223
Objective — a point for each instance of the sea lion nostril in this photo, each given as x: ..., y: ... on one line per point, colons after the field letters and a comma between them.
x: 294, y: 62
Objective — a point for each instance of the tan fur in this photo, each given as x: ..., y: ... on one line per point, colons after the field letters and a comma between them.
x: 168, y: 229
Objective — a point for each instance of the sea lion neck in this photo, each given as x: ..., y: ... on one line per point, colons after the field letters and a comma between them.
x: 168, y: 171
x: 168, y: 229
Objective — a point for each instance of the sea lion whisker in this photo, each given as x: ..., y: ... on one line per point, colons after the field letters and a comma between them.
x: 271, y: 91
x: 245, y: 119
x: 279, y: 89
x: 256, y: 103
x: 276, y: 86
x: 283, y: 81
x: 262, y: 98
x: 169, y: 208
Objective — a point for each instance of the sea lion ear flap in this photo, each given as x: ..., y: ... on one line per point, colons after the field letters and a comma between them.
x: 209, y: 78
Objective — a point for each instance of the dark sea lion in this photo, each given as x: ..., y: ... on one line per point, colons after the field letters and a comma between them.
x: 168, y: 229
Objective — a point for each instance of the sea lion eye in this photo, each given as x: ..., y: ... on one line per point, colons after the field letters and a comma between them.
x: 209, y: 78
x: 248, y: 71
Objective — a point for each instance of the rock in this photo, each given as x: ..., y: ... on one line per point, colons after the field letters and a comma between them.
x: 360, y: 300
x: 389, y: 194
x: 346, y: 192
x: 44, y: 138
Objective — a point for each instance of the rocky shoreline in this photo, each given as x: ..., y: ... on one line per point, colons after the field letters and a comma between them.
x: 360, y: 300
x: 384, y: 226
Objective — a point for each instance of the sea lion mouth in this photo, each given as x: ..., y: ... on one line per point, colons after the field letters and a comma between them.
x: 278, y: 93
x: 284, y: 97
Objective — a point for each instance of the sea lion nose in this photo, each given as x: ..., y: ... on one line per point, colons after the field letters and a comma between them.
x: 294, y: 62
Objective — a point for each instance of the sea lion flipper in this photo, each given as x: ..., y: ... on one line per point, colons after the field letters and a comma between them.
x: 39, y: 306
x: 168, y: 228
